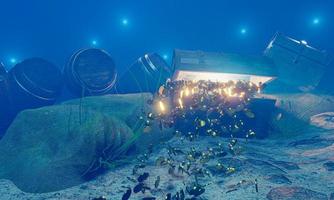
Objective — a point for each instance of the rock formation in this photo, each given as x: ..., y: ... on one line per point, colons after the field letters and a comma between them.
x: 56, y: 147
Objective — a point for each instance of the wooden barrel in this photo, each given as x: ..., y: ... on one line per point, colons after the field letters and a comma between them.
x: 34, y: 83
x: 2, y: 69
x: 5, y: 116
x: 90, y: 72
x: 147, y: 74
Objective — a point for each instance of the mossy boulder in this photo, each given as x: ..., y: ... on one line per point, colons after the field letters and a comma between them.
x: 56, y: 147
x: 128, y: 108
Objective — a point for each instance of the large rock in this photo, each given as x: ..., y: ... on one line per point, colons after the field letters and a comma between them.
x: 56, y: 147
x: 323, y: 120
x: 128, y: 108
x: 125, y: 107
x: 304, y: 105
x: 295, y: 112
x: 294, y: 193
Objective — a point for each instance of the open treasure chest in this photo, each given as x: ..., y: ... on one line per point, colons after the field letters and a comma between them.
x: 219, y: 94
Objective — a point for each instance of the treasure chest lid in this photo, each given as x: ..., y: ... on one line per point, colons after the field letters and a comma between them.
x: 193, y: 64
x: 298, y: 64
x: 300, y: 48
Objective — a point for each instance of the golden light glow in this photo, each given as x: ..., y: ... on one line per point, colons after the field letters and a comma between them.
x: 194, y: 90
x: 195, y: 76
x: 162, y: 106
x: 229, y: 92
x: 242, y: 94
x: 161, y: 90
x: 219, y: 91
x: 187, y: 92
x: 181, y: 93
x: 180, y: 103
x: 185, y: 98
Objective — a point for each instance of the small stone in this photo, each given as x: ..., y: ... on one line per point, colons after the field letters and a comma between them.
x: 294, y: 193
x: 329, y: 166
x: 278, y: 179
x: 84, y: 187
x: 170, y: 186
x: 323, y: 120
x: 56, y: 194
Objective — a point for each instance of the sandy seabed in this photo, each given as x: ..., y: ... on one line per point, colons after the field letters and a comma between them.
x: 299, y: 167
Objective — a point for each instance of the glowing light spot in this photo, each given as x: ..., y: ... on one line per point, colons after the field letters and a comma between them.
x: 316, y: 21
x: 165, y: 56
x: 243, y: 31
x: 13, y: 60
x: 180, y: 103
x: 194, y: 90
x: 219, y: 91
x: 125, y: 22
x: 303, y: 42
x: 181, y: 94
x: 162, y: 106
x: 94, y: 42
x: 242, y: 94
x: 229, y: 92
x: 187, y: 92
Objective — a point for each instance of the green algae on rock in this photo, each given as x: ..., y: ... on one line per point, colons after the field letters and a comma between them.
x: 53, y: 148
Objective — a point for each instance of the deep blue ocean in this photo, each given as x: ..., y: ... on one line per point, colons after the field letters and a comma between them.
x: 166, y: 99
x: 54, y: 29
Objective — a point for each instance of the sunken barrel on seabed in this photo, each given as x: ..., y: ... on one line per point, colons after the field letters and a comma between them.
x: 147, y: 74
x: 90, y: 72
x: 4, y: 101
x: 33, y: 83
x: 3, y: 88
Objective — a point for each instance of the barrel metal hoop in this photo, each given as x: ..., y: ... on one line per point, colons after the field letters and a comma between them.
x: 29, y: 92
x: 149, y: 62
x: 80, y: 82
x: 144, y: 64
x: 36, y: 86
x: 73, y: 72
x: 102, y: 90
